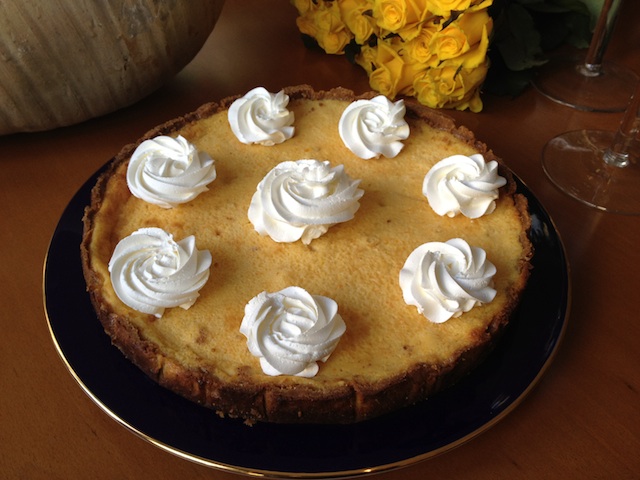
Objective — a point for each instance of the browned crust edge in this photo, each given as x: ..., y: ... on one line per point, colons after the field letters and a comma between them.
x: 350, y: 404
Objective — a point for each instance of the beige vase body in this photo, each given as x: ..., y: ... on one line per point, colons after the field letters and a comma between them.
x: 65, y: 61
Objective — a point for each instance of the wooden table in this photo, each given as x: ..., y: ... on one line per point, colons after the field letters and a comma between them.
x: 581, y: 421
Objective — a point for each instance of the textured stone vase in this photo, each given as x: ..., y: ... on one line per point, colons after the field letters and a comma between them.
x: 65, y: 61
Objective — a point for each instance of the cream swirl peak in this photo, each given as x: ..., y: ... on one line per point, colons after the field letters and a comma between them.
x: 151, y: 272
x: 461, y: 184
x: 169, y: 171
x: 291, y: 330
x: 446, y: 279
x: 370, y: 128
x: 301, y: 200
x: 261, y: 117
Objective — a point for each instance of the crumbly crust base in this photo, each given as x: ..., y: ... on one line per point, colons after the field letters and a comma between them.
x: 348, y: 403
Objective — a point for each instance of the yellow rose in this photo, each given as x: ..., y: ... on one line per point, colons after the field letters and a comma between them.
x: 451, y: 42
x: 367, y: 58
x: 444, y: 8
x: 357, y: 16
x: 304, y: 6
x: 427, y: 91
x: 392, y: 75
x: 469, y: 30
x: 307, y: 26
x: 472, y: 24
x: 435, y: 50
x: 479, y: 5
x: 390, y: 15
x: 477, y: 55
x: 326, y: 27
x: 410, y: 71
x: 451, y: 87
x: 417, y: 17
x: 419, y: 48
x: 400, y: 17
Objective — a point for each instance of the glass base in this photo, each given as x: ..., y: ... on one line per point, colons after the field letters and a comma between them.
x: 574, y: 162
x: 567, y: 81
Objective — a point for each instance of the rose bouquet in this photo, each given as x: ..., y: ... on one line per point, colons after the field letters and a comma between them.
x: 434, y: 50
x: 438, y: 50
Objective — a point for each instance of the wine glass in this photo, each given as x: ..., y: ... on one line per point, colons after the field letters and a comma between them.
x: 599, y: 168
x: 587, y: 82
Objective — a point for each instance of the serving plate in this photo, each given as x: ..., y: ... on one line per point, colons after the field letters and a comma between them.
x: 416, y: 433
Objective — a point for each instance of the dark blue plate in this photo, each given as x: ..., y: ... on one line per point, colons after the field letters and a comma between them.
x: 176, y: 425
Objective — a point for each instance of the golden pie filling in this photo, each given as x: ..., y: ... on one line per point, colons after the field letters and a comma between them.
x: 390, y: 355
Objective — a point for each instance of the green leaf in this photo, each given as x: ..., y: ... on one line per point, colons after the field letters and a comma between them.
x: 559, y: 6
x: 525, y: 29
x: 519, y: 41
x: 579, y: 30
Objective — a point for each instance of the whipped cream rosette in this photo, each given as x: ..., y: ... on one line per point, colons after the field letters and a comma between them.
x: 370, y: 128
x: 290, y: 331
x: 301, y: 200
x: 462, y: 184
x: 446, y: 279
x: 261, y: 117
x: 169, y: 171
x: 150, y: 271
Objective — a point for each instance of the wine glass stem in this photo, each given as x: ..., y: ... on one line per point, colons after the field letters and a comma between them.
x: 619, y: 154
x: 592, y: 66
